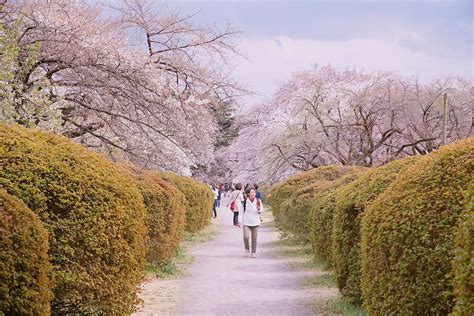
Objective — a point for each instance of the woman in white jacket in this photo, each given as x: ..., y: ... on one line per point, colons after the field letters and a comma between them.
x: 251, y: 221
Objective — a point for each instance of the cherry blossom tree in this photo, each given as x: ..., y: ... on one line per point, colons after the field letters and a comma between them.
x: 424, y: 114
x: 218, y: 170
x: 326, y: 116
x: 151, y: 104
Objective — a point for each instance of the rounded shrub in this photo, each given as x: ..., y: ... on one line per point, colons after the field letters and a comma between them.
x: 294, y: 217
x: 463, y: 262
x: 25, y: 288
x: 282, y: 191
x: 265, y: 190
x: 199, y: 200
x: 165, y: 216
x: 407, y: 235
x: 94, y: 215
x: 351, y: 202
x: 321, y: 215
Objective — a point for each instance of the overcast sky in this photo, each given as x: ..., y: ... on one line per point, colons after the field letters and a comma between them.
x: 429, y: 39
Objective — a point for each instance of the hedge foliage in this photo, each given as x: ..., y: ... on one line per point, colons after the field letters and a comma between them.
x: 463, y: 262
x: 284, y: 190
x: 25, y: 288
x: 94, y: 214
x: 165, y: 216
x: 199, y: 200
x: 295, y: 211
x: 351, y: 202
x: 321, y: 215
x: 407, y: 235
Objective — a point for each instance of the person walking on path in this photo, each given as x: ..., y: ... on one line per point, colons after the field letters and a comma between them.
x: 215, y: 206
x: 219, y: 197
x: 258, y: 194
x: 221, y: 192
x: 236, y: 200
x: 251, y: 221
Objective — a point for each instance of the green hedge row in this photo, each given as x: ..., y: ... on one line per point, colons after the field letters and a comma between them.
x: 103, y: 220
x: 282, y: 192
x: 350, y: 204
x: 199, y: 200
x: 294, y: 214
x: 165, y: 216
x: 463, y: 262
x: 321, y: 213
x: 408, y: 235
x: 399, y: 237
x: 25, y: 288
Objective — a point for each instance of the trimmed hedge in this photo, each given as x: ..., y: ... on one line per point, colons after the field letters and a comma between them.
x: 265, y: 190
x: 321, y: 215
x: 407, y: 235
x: 199, y: 200
x: 463, y: 262
x: 284, y: 190
x: 295, y: 211
x: 93, y: 212
x: 165, y: 216
x: 25, y: 288
x: 351, y: 202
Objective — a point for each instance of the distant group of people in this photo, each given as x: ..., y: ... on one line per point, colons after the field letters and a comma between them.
x: 246, y: 201
x: 220, y: 191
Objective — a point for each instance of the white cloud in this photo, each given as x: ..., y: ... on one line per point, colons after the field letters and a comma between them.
x: 272, y: 60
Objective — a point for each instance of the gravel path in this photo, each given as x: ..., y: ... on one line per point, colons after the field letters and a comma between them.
x: 222, y: 281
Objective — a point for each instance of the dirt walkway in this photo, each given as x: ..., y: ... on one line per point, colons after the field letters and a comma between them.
x: 223, y: 282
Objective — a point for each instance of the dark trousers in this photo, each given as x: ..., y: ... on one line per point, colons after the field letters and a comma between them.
x: 236, y: 218
x: 214, y: 208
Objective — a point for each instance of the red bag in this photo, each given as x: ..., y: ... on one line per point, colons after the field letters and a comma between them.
x: 232, y: 204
